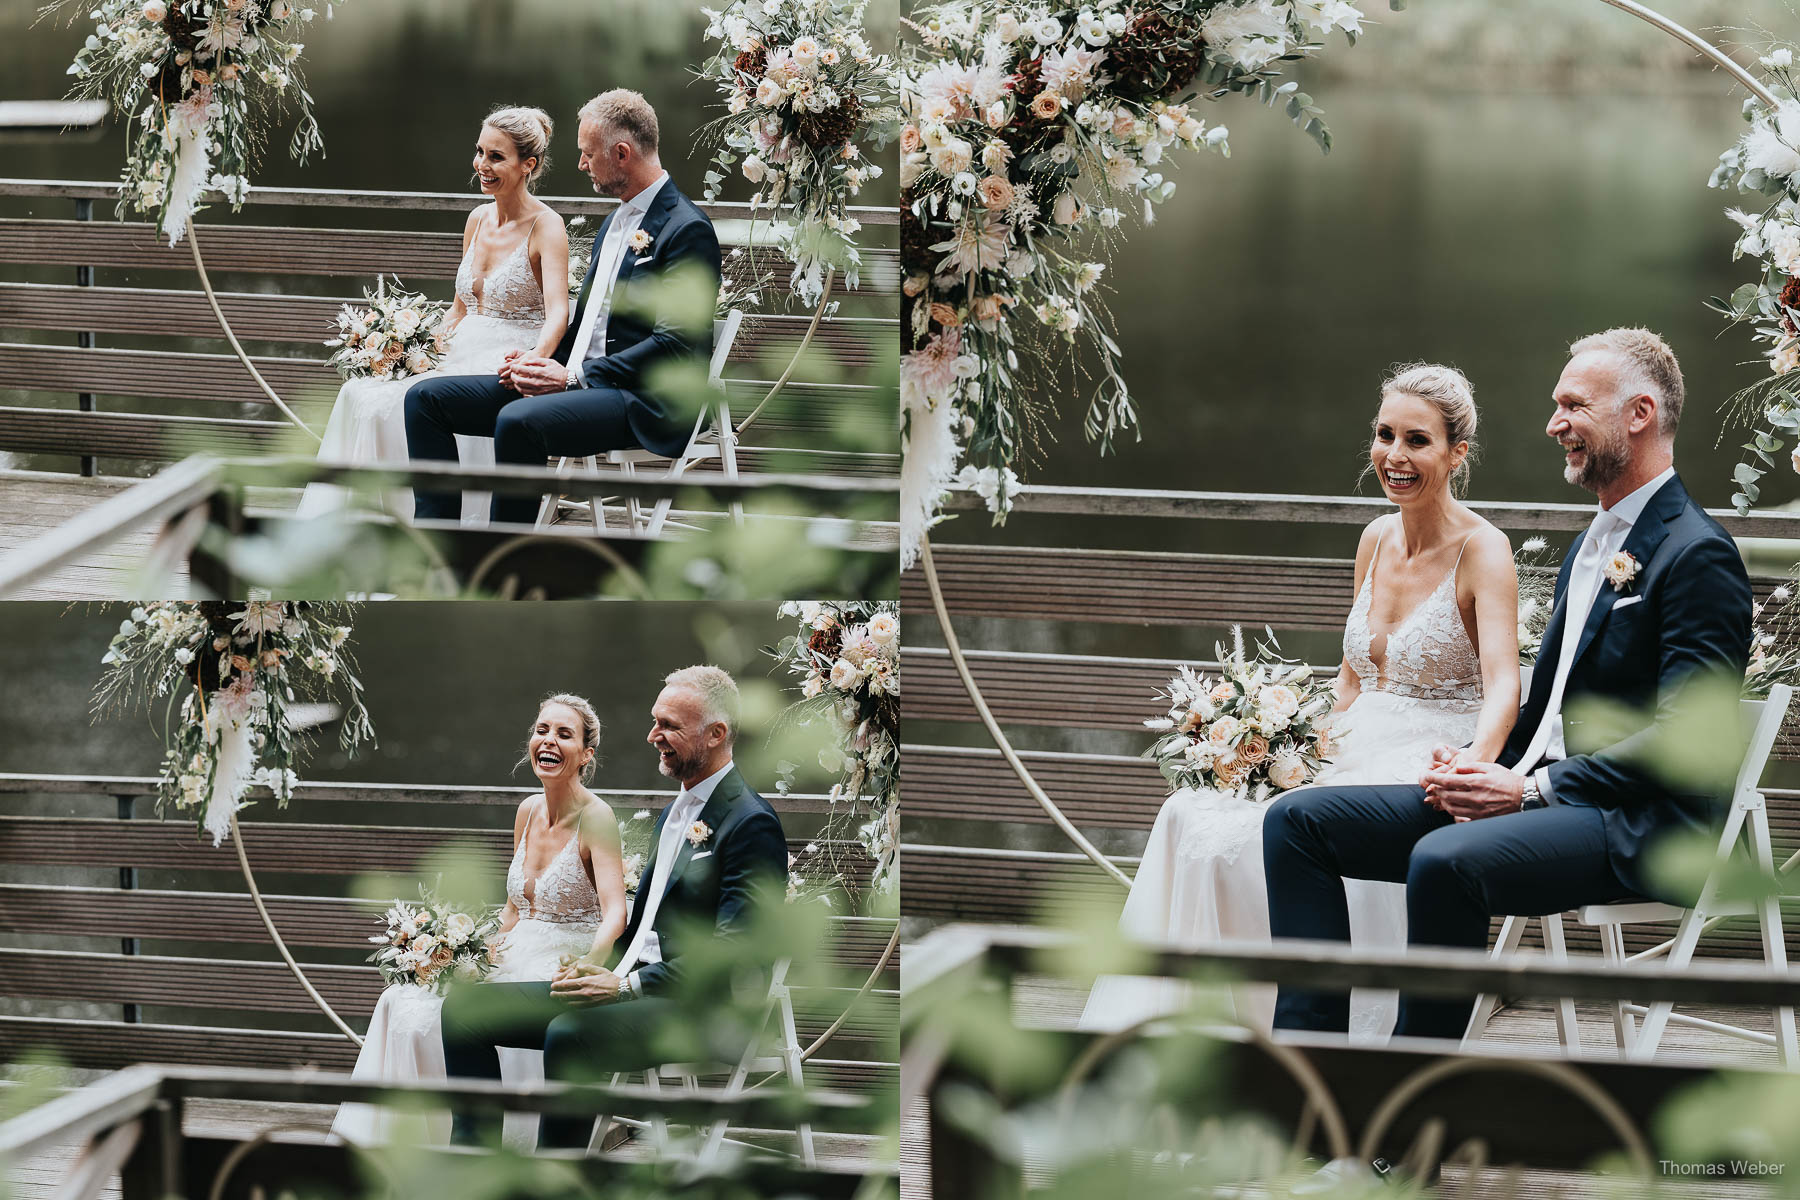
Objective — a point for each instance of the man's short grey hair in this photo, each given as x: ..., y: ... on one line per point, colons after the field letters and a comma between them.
x: 624, y: 113
x: 1646, y: 365
x: 718, y: 693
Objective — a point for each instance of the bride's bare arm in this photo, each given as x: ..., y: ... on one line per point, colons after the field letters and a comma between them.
x: 1491, y: 580
x: 1348, y: 685
x: 509, y: 916
x: 457, y: 309
x: 550, y: 258
x: 600, y: 841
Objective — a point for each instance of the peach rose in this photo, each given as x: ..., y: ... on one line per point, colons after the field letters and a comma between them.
x: 995, y: 192
x: 910, y: 139
x: 944, y: 314
x: 1046, y: 106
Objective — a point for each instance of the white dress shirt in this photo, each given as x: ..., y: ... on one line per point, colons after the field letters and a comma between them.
x: 590, y: 340
x: 646, y: 947
x: 1612, y: 526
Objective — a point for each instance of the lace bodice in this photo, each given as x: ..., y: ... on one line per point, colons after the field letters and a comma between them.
x: 563, y: 895
x: 1428, y: 655
x: 510, y: 292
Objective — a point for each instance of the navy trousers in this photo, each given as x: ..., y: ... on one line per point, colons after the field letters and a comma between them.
x: 1457, y: 876
x: 527, y: 430
x: 581, y: 1045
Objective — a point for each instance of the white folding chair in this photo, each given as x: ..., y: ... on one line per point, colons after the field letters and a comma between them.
x: 1747, y: 820
x: 712, y: 437
x: 780, y: 1054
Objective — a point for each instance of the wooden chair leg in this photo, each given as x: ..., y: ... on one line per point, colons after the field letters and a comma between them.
x: 1511, y: 930
x: 1567, y: 1031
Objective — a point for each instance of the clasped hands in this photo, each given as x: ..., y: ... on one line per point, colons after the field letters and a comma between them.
x: 1468, y: 790
x: 583, y: 983
x: 529, y: 375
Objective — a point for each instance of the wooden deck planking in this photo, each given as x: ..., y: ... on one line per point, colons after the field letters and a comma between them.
x: 34, y: 503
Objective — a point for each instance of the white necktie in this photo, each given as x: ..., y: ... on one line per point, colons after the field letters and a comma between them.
x: 606, y: 267
x: 681, y: 814
x: 1578, y: 603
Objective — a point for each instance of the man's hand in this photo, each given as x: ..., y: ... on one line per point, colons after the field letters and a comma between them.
x: 584, y: 983
x: 1469, y: 791
x: 534, y: 376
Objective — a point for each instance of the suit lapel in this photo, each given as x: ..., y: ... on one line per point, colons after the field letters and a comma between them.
x: 712, y: 813
x: 1647, y: 533
x: 655, y: 217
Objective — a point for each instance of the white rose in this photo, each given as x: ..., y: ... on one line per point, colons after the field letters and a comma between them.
x: 1287, y: 770
x: 754, y: 168
x: 955, y: 154
x: 845, y: 675
x: 155, y: 11
x: 1066, y: 210
x: 769, y: 93
x: 884, y: 628
x: 1046, y: 30
x: 1008, y: 27
x: 459, y: 928
x: 815, y: 683
x: 1224, y: 731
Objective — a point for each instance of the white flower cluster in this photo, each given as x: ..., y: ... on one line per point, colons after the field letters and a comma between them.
x: 399, y: 334
x: 1025, y: 124
x: 805, y: 99
x: 431, y: 943
x: 193, y: 74
x: 847, y: 658
x: 1258, y: 730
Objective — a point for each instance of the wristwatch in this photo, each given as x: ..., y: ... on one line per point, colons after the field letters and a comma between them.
x: 574, y: 379
x: 1530, y: 797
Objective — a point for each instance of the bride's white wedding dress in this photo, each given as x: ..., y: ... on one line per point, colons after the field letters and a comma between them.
x: 1201, y: 879
x: 368, y: 422
x: 404, y: 1043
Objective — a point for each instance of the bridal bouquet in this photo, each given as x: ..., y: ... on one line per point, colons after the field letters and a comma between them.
x: 199, y: 79
x: 806, y: 101
x: 230, y: 674
x: 433, y: 942
x: 1031, y: 132
x: 847, y: 659
x: 1258, y: 730
x: 399, y: 334
x: 1765, y: 162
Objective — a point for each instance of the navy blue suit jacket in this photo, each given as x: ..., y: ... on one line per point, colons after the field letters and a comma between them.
x: 714, y: 883
x: 1693, y: 615
x: 638, y: 335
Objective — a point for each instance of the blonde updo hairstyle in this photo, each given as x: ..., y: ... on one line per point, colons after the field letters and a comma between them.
x: 590, y: 730
x: 530, y: 130
x: 1449, y: 391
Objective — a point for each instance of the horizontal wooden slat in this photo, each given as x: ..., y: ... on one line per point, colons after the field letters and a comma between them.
x: 229, y: 918
x: 292, y: 848
x: 108, y: 1045
x: 210, y: 378
x: 974, y: 783
x: 852, y: 343
x: 141, y: 436
x: 269, y: 987
x: 338, y: 253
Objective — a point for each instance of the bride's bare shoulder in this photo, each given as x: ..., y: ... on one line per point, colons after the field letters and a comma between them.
x: 522, y: 817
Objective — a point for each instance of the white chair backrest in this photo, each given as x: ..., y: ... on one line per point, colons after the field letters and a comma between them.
x: 1763, y: 719
x: 725, y: 331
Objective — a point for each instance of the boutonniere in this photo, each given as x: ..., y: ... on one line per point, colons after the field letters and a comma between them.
x: 698, y: 834
x: 1620, y: 570
x: 640, y: 240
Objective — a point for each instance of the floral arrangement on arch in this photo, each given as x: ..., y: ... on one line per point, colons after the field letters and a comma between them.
x: 199, y: 79
x: 400, y: 334
x: 431, y: 943
x: 806, y: 101
x: 1260, y: 729
x: 1033, y: 130
x: 229, y: 674
x: 847, y: 659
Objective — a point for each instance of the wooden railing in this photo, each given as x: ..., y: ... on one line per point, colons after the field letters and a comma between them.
x: 194, y: 978
x: 156, y: 397
x: 960, y: 796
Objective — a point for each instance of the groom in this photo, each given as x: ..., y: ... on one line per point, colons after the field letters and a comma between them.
x: 711, y: 853
x: 1653, y: 593
x: 597, y: 393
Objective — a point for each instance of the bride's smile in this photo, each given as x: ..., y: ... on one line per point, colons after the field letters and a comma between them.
x: 556, y: 749
x: 498, y: 168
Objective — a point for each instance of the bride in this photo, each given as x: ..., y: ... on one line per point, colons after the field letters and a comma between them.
x: 512, y: 295
x: 1430, y: 659
x: 565, y: 896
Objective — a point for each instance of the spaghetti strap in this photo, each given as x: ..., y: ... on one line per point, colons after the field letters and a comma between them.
x: 1457, y: 565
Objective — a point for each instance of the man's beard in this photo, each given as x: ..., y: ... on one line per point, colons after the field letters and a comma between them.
x: 1606, y: 464
x: 610, y: 185
x: 678, y: 765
